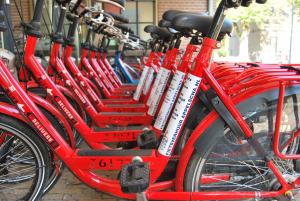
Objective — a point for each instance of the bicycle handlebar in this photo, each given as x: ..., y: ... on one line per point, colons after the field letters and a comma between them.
x: 244, y: 3
x: 119, y: 18
x: 62, y: 2
x: 118, y: 3
x: 220, y: 14
x: 261, y: 1
x: 75, y: 6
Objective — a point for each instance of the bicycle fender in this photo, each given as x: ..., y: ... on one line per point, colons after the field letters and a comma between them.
x: 54, y: 111
x: 10, y: 110
x: 208, y: 128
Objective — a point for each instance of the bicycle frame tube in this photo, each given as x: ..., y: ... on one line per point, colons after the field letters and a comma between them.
x: 124, y: 70
x: 83, y: 162
x: 31, y: 112
x: 93, y: 137
x: 162, y: 83
x: 114, y: 107
x: 107, y: 65
x: 50, y: 108
x: 144, y: 77
x: 94, y: 76
x: 153, y: 64
x: 108, y: 81
x: 106, y: 70
x: 82, y: 165
x: 104, y: 118
x: 174, y: 88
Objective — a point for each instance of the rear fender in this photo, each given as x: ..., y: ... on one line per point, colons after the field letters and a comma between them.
x: 212, y: 122
x: 72, y: 96
x: 11, y: 110
x: 55, y: 112
x: 94, y: 87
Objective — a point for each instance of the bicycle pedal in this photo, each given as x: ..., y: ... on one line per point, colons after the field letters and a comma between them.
x: 135, y: 177
x: 147, y: 140
x: 290, y: 196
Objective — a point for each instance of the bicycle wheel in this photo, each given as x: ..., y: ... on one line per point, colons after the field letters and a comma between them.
x: 26, y: 162
x: 234, y: 164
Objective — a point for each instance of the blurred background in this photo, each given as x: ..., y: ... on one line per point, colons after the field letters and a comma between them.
x: 268, y: 33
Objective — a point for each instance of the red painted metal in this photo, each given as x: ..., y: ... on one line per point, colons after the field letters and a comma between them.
x: 50, y: 108
x: 278, y: 126
x: 113, y: 186
x: 83, y: 166
x: 11, y: 111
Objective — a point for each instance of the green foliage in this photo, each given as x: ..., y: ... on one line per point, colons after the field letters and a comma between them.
x: 297, y: 6
x: 258, y: 15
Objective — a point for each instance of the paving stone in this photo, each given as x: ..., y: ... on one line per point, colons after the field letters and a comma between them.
x: 70, y: 188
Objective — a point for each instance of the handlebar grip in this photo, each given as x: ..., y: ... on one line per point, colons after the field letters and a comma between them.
x: 62, y: 2
x: 76, y: 5
x: 84, y: 12
x: 246, y: 3
x: 261, y: 1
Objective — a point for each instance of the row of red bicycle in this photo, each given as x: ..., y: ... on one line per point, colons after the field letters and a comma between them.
x: 186, y: 128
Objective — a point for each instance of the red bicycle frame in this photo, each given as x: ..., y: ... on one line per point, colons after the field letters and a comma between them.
x: 79, y: 163
x: 83, y: 162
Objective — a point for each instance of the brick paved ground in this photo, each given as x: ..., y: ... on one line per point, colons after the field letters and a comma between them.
x: 70, y: 188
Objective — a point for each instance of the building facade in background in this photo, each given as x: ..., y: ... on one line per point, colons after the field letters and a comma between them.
x: 144, y: 12
x: 279, y: 46
x: 140, y: 12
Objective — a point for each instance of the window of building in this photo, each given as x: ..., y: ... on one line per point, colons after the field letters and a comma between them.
x: 140, y: 13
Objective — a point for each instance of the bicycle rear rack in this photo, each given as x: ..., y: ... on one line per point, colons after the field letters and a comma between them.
x: 278, y: 127
x: 252, y: 77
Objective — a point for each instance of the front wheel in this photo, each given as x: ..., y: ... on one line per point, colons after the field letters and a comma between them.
x: 227, y: 162
x: 24, y: 164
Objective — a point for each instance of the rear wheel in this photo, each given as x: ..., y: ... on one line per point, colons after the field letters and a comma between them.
x: 234, y: 164
x: 26, y: 161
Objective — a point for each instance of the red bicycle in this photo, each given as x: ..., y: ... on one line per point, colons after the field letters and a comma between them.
x: 245, y: 148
